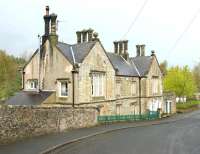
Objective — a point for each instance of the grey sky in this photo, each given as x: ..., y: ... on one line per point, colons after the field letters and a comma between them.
x: 159, y: 25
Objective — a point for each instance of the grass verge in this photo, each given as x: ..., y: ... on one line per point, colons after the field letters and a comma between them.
x: 188, y: 106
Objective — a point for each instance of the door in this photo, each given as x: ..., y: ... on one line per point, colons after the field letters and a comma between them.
x: 118, y: 109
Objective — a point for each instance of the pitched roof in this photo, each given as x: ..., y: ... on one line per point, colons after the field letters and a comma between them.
x: 79, y: 50
x: 142, y: 63
x: 28, y: 98
x: 121, y: 66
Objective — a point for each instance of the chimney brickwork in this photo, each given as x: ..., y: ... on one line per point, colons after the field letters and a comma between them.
x: 90, y: 32
x: 78, y: 34
x: 86, y: 36
x: 121, y: 48
x: 140, y: 50
x: 53, y: 36
x: 115, y: 46
x: 47, y: 19
x: 50, y: 33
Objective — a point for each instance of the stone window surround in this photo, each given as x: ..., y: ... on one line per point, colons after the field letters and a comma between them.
x: 32, y: 84
x: 133, y: 86
x: 118, y: 108
x: 155, y: 85
x: 100, y: 75
x: 59, y: 82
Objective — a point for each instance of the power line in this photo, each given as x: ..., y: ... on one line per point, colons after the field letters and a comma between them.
x: 136, y: 18
x: 185, y: 30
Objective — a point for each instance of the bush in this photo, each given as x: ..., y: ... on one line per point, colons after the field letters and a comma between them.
x: 188, y: 105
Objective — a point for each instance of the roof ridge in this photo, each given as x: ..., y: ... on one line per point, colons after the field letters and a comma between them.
x: 64, y: 43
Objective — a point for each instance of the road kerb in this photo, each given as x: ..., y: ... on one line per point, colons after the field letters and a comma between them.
x: 158, y: 122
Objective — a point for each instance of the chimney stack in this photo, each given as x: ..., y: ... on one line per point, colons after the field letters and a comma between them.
x: 78, y: 34
x: 121, y: 48
x: 53, y: 37
x: 138, y: 50
x: 125, y: 55
x: 86, y: 35
x: 115, y: 47
x: 142, y: 50
x: 53, y: 23
x: 46, y: 25
x: 125, y: 42
x: 90, y: 32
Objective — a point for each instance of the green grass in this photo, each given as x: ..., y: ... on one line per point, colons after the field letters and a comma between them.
x: 188, y: 105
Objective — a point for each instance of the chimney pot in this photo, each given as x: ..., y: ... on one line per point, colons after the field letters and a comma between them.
x: 90, y: 32
x: 84, y: 35
x: 95, y: 35
x: 138, y: 50
x: 152, y: 53
x: 53, y: 23
x: 47, y: 10
x: 125, y: 46
x: 143, y: 50
x: 115, y: 47
x: 120, y: 47
x: 46, y: 25
x: 78, y: 34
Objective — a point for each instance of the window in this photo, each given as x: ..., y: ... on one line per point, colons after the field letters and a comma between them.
x: 32, y: 84
x: 155, y: 85
x: 133, y: 108
x: 63, y: 88
x: 118, y: 85
x: 97, y: 84
x: 118, y: 109
x: 133, y: 88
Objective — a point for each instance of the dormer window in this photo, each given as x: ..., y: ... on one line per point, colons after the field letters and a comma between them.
x: 32, y: 84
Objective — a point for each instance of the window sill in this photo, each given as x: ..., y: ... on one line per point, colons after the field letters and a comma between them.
x: 63, y: 96
x: 98, y: 97
x: 30, y: 89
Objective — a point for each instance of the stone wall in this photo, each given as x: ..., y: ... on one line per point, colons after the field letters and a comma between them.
x: 22, y: 122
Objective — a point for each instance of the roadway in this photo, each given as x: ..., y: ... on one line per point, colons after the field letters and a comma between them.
x: 180, y: 137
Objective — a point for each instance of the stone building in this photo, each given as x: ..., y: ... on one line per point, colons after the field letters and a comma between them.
x: 85, y: 74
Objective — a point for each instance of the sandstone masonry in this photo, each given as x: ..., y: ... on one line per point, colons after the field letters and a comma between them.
x: 21, y: 122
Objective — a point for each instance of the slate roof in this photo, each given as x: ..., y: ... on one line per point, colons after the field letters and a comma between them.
x: 142, y: 63
x: 137, y: 66
x: 121, y: 66
x: 28, y: 98
x: 80, y: 50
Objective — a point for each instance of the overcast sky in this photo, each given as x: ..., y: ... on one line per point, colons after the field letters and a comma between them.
x: 159, y: 26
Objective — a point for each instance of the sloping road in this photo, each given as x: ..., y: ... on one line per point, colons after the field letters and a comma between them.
x: 38, y: 144
x: 180, y: 137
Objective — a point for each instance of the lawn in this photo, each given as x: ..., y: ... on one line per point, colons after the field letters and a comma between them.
x: 188, y: 105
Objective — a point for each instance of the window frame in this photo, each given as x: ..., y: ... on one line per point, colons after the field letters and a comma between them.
x: 60, y: 88
x: 97, y: 84
x: 32, y: 84
x: 155, y: 85
x: 133, y: 88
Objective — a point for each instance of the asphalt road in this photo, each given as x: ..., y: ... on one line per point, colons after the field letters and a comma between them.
x: 180, y: 137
